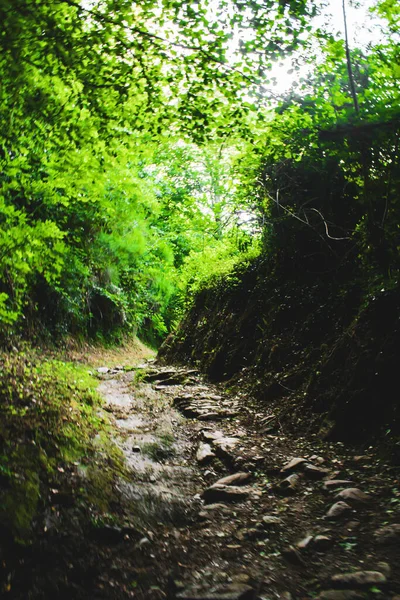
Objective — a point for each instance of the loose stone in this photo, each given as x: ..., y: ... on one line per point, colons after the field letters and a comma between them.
x: 234, y: 591
x: 204, y: 454
x: 293, y: 465
x: 235, y: 479
x: 270, y: 520
x: 322, y: 542
x: 210, y: 436
x: 358, y: 579
x: 289, y: 485
x: 338, y: 510
x: 354, y: 495
x: 225, y: 493
x: 313, y: 472
x: 305, y: 542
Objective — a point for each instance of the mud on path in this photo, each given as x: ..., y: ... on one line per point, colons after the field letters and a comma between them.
x: 219, y: 504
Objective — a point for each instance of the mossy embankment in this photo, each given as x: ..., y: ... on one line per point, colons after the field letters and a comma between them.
x: 308, y: 332
x: 55, y: 454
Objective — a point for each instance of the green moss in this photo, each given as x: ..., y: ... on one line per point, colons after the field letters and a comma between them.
x: 49, y: 418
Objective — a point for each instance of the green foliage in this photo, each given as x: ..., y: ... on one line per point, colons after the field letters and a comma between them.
x: 218, y: 261
x: 109, y: 211
x: 49, y: 418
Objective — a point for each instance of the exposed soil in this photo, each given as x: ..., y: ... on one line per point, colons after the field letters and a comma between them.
x: 265, y: 534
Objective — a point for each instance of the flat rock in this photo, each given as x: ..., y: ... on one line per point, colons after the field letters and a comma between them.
x: 338, y: 510
x: 313, y: 472
x: 235, y: 479
x: 226, y: 442
x: 212, y: 416
x: 155, y: 375
x: 390, y: 534
x: 103, y: 370
x: 340, y: 595
x: 270, y: 521
x: 354, y: 495
x: 321, y: 542
x: 204, y: 454
x: 224, y: 447
x: 234, y: 591
x: 216, y: 506
x: 384, y: 568
x: 293, y: 465
x: 333, y: 484
x: 358, y: 579
x: 225, y: 493
x: 305, y: 542
x: 289, y: 485
x: 210, y: 436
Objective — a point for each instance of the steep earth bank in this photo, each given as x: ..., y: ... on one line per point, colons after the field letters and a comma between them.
x: 305, y: 335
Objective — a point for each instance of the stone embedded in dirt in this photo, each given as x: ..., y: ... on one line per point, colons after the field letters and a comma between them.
x: 305, y: 542
x: 384, y: 568
x: 227, y: 442
x: 233, y: 591
x: 204, y: 454
x: 270, y: 521
x: 289, y: 485
x: 211, y: 416
x: 210, y: 436
x: 224, y: 493
x: 143, y: 542
x: 313, y: 472
x: 235, y: 479
x: 215, y: 397
x: 333, y: 484
x: 317, y: 459
x: 340, y: 595
x: 390, y: 534
x: 354, y: 495
x: 321, y: 543
x: 216, y: 506
x: 223, y: 447
x: 358, y: 579
x: 293, y: 465
x: 155, y: 375
x: 241, y: 578
x: 190, y: 411
x: 293, y: 556
x: 136, y: 449
x: 338, y: 510
x: 103, y: 370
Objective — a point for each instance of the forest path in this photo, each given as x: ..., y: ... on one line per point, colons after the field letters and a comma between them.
x: 218, y: 503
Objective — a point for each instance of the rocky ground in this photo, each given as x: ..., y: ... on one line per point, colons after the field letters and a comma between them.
x: 218, y: 503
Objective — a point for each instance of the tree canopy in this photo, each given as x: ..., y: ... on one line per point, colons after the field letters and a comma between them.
x: 142, y: 152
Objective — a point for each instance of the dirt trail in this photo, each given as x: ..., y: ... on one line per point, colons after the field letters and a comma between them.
x: 293, y: 520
